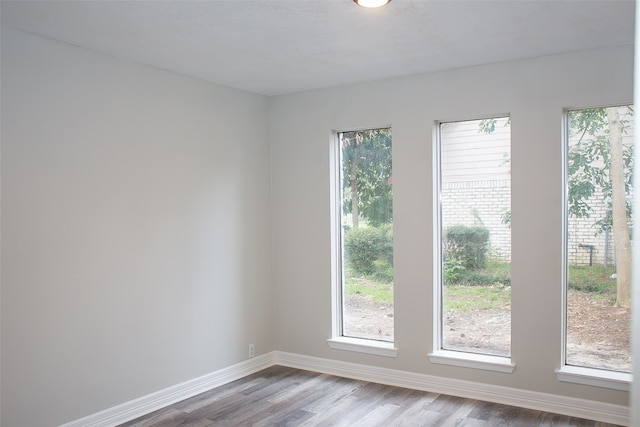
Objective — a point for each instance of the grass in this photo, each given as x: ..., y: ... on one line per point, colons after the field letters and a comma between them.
x: 378, y: 291
x: 489, y: 288
x: 595, y: 279
x: 467, y: 298
x: 484, y: 289
x: 498, y: 268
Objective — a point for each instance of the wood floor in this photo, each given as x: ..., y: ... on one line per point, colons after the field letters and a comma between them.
x: 280, y: 396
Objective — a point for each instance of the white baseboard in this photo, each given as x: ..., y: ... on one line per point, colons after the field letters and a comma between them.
x: 152, y: 402
x: 589, y: 409
x: 570, y: 406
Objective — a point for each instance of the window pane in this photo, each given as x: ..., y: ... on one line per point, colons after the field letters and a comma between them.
x: 475, y: 181
x: 367, y: 243
x: 599, y: 170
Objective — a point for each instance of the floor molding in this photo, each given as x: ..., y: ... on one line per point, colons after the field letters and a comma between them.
x: 598, y: 411
x: 593, y: 410
x: 152, y: 402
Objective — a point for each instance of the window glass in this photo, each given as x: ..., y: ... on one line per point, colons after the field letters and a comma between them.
x: 475, y: 218
x: 598, y: 242
x: 367, y: 234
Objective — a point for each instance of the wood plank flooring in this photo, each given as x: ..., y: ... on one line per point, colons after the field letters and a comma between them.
x: 281, y: 396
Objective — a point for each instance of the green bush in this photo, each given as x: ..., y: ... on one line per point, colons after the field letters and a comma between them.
x: 467, y: 244
x: 361, y: 248
x: 453, y: 270
x: 383, y: 272
x: 386, y: 243
x: 369, y: 250
x: 494, y: 273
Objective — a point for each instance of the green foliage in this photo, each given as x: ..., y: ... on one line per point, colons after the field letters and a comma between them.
x: 361, y: 247
x: 592, y: 279
x: 467, y: 244
x: 506, y: 218
x: 386, y: 243
x: 495, y: 273
x: 379, y: 210
x: 597, y: 279
x: 489, y: 288
x: 453, y: 269
x: 589, y: 163
x: 369, y: 251
x: 366, y: 158
x: 498, y: 268
x: 489, y: 125
x: 480, y: 278
x: 383, y: 272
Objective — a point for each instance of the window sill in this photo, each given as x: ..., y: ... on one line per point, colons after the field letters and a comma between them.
x: 595, y: 377
x: 472, y: 360
x: 378, y: 348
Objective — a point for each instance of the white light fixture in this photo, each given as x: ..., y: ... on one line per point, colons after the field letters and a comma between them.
x: 371, y: 3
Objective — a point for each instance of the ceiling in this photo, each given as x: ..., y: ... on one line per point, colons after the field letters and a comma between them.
x: 275, y: 47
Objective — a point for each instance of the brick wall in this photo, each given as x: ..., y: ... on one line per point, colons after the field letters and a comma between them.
x: 583, y: 233
x: 476, y: 190
x: 485, y: 203
x: 480, y: 203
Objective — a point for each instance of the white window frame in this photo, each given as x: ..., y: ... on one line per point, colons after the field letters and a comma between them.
x: 439, y: 355
x: 571, y: 373
x: 338, y: 341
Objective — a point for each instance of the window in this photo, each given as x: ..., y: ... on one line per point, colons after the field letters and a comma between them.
x: 364, y: 209
x: 599, y: 223
x: 474, y: 271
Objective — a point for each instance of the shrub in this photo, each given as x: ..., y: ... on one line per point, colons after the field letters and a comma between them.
x: 386, y: 243
x: 467, y: 244
x: 383, y: 272
x: 369, y: 250
x: 495, y: 273
x: 453, y: 269
x: 362, y: 248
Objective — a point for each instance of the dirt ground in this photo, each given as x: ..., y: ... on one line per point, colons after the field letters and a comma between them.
x: 599, y: 332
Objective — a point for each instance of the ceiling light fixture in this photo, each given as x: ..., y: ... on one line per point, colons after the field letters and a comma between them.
x: 371, y: 3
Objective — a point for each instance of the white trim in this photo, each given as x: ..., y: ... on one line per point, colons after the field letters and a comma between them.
x: 570, y: 406
x: 437, y: 236
x: 570, y: 373
x: 635, y: 266
x: 439, y: 354
x: 473, y: 360
x: 337, y: 279
x: 595, y: 377
x: 589, y: 409
x: 378, y: 348
x: 152, y: 402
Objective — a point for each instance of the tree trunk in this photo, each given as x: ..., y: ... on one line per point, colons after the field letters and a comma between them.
x: 619, y: 211
x: 355, y: 214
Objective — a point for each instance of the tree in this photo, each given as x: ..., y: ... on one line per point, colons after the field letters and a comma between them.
x: 366, y: 171
x: 599, y: 161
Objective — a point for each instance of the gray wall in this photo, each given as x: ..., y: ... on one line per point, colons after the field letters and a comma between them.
x: 138, y: 208
x: 533, y: 92
x: 135, y: 230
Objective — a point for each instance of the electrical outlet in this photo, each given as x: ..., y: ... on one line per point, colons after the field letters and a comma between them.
x: 252, y: 351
